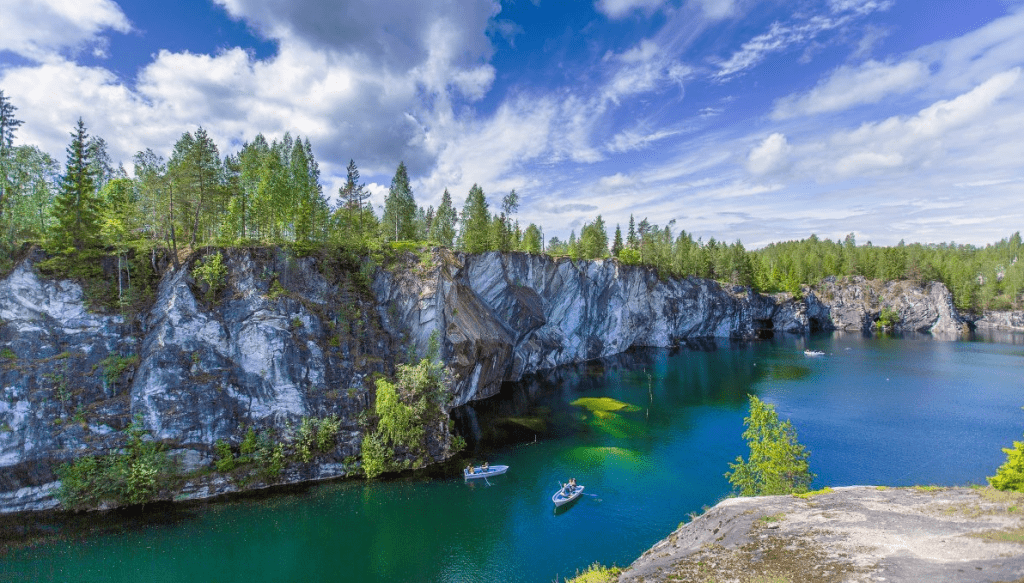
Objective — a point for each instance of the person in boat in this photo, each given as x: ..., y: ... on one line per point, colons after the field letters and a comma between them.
x: 485, y: 467
x: 469, y: 469
x: 572, y: 484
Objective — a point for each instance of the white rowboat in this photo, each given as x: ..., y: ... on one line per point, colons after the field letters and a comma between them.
x: 562, y: 497
x: 480, y: 472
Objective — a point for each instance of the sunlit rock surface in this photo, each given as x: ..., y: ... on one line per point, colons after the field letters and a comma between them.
x: 293, y: 337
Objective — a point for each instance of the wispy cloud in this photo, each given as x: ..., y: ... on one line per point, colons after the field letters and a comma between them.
x: 851, y: 86
x: 40, y: 29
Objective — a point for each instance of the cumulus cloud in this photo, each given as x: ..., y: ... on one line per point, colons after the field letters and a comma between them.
x: 769, y: 155
x: 39, y: 29
x: 851, y: 86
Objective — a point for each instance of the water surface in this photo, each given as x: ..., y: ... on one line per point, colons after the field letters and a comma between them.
x: 650, y: 445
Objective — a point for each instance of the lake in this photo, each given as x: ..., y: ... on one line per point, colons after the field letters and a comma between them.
x: 872, y: 410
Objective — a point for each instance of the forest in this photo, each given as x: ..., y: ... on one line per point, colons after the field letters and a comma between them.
x: 269, y: 193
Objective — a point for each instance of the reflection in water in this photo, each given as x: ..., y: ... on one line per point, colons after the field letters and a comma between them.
x: 537, y: 407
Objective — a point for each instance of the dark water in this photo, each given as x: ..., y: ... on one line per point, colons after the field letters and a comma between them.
x: 871, y: 411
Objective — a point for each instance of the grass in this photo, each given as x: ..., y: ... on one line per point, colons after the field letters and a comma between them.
x: 1015, y: 535
x: 812, y: 493
x: 773, y: 517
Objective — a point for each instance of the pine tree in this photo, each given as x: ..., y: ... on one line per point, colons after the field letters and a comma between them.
x: 444, y: 221
x: 76, y: 208
x: 631, y: 240
x: 352, y: 199
x: 476, y: 222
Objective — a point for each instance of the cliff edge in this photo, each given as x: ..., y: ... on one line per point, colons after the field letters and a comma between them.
x: 851, y: 534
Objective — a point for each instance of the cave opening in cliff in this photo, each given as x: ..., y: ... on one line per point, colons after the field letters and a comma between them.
x: 815, y: 325
x: 764, y: 329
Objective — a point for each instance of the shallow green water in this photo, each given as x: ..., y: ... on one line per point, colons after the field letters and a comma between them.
x: 649, y: 449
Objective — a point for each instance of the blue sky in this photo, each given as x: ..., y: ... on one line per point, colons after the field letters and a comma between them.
x: 738, y: 119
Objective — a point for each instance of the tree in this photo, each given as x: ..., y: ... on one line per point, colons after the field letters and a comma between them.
x: 400, y: 208
x: 352, y: 200
x: 777, y: 463
x: 617, y: 245
x: 76, y: 208
x: 1010, y: 475
x: 532, y: 239
x: 8, y: 126
x: 504, y: 229
x: 444, y: 221
x: 475, y: 222
x: 593, y: 241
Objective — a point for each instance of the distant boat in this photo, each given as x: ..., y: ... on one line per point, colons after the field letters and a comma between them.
x: 562, y: 497
x: 480, y: 472
x: 813, y: 353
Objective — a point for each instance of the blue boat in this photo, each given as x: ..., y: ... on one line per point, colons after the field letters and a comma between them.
x: 480, y: 472
x: 565, y: 495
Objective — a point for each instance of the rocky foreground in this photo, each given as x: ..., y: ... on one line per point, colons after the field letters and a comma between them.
x: 851, y: 534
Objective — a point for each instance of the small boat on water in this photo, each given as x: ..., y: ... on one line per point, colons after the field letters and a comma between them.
x: 564, y: 495
x: 480, y: 472
x: 813, y: 353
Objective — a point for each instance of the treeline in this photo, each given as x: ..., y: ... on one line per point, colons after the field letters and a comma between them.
x: 269, y: 192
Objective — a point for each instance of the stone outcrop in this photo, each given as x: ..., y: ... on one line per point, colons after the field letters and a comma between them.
x: 288, y: 338
x: 852, y: 534
x: 1007, y: 321
x: 500, y: 316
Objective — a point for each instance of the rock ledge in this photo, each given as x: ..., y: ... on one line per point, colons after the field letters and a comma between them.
x: 851, y: 534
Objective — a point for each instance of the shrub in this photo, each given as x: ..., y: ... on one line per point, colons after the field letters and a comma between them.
x: 212, y: 273
x: 115, y: 365
x: 629, y: 257
x: 777, y: 463
x: 888, y: 318
x: 1010, y: 475
x: 131, y: 476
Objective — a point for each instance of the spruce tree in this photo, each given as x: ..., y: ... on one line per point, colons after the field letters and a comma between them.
x: 76, y: 207
x: 444, y: 221
x: 617, y: 243
x: 476, y: 222
x: 400, y: 208
x: 8, y: 126
x: 631, y: 239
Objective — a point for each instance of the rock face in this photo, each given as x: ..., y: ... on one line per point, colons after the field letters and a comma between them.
x: 1009, y: 321
x: 288, y: 338
x: 852, y: 534
x: 500, y: 316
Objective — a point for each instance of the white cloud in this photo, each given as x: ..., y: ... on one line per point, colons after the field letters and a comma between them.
x: 781, y: 36
x: 851, y: 86
x: 717, y: 9
x: 616, y: 9
x: 769, y: 155
x: 38, y: 29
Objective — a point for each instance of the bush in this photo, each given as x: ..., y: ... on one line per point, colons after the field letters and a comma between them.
x: 629, y: 257
x: 1010, y: 475
x: 115, y: 365
x: 777, y: 463
x: 888, y: 318
x: 212, y: 273
x: 131, y: 476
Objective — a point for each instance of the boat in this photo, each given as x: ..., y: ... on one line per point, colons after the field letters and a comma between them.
x: 561, y: 497
x: 480, y: 472
x: 813, y: 353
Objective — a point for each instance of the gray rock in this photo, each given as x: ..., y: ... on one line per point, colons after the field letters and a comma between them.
x: 853, y: 534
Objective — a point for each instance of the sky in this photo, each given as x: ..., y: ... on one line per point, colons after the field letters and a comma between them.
x: 748, y: 120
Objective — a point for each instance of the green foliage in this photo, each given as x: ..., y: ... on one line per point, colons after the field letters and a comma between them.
x: 777, y: 463
x: 888, y: 318
x: 1010, y: 475
x: 629, y: 257
x: 131, y: 476
x: 76, y: 208
x: 474, y: 236
x: 596, y: 573
x: 115, y: 365
x: 212, y: 273
x: 226, y: 460
x: 403, y: 407
x: 399, y: 208
x: 316, y: 436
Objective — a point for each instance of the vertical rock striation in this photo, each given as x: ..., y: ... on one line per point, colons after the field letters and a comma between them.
x: 287, y: 338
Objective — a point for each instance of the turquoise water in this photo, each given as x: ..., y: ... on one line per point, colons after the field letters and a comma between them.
x: 871, y: 411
